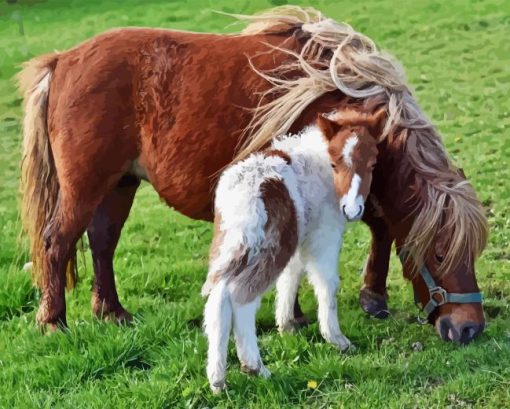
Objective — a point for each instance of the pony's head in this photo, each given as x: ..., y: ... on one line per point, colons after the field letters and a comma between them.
x: 438, y: 249
x: 352, y: 146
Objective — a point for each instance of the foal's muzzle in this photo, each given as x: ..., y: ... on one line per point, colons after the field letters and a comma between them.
x: 353, y: 214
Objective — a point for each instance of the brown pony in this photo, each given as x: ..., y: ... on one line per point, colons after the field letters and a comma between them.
x: 172, y: 107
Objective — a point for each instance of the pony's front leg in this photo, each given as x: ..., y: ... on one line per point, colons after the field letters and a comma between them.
x: 246, y: 338
x: 373, y: 295
x: 322, y: 267
x: 287, y: 287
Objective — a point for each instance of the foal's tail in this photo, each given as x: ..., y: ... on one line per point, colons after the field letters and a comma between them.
x: 39, y: 183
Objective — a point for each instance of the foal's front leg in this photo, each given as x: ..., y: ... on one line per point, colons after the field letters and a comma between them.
x: 322, y: 267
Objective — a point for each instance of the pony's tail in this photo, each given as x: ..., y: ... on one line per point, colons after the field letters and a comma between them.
x: 39, y: 183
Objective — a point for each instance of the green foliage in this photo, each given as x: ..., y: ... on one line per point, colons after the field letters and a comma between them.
x: 456, y: 55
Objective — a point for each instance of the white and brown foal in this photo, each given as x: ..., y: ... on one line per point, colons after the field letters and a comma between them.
x: 278, y: 213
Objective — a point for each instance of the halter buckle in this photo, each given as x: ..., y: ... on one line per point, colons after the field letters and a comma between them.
x: 439, y: 295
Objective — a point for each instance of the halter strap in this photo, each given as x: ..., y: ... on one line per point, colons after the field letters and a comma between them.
x: 438, y: 295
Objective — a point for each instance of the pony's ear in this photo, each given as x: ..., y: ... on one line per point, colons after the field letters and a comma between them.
x: 328, y: 127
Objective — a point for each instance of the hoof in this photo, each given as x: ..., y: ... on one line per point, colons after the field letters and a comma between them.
x: 261, y: 371
x: 301, y: 322
x: 218, y: 387
x: 349, y: 348
x: 118, y: 316
x: 47, y: 323
x: 49, y: 328
x: 373, y: 304
x: 294, y: 325
x: 106, y: 312
x: 341, y: 342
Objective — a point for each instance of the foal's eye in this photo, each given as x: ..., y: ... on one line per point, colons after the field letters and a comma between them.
x: 439, y: 258
x: 333, y: 165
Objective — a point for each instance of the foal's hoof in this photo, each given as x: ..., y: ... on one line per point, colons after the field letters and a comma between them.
x: 349, y: 348
x: 294, y: 324
x: 341, y: 342
x: 373, y: 304
x: 261, y: 371
x: 218, y: 387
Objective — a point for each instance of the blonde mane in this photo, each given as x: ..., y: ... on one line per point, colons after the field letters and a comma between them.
x: 335, y: 57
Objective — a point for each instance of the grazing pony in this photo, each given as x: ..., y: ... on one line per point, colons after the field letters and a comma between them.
x: 285, y: 208
x: 173, y: 107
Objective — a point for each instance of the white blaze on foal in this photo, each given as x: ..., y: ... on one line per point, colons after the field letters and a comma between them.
x: 279, y: 213
x: 352, y: 203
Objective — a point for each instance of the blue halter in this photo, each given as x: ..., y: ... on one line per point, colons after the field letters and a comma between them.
x: 438, y: 295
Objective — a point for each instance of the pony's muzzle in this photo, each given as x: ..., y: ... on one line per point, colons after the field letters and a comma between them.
x: 462, y: 333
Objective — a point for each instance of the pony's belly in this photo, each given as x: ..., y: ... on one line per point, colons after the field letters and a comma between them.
x: 180, y: 185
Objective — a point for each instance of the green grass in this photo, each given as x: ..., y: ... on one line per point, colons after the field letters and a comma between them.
x: 456, y: 54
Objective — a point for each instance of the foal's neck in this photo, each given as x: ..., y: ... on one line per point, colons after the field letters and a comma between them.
x: 308, y: 146
x: 310, y: 161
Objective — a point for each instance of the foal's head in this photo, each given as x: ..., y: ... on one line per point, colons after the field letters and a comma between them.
x: 352, y: 139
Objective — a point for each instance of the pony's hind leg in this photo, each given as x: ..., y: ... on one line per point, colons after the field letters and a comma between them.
x: 217, y: 325
x: 104, y: 233
x: 67, y: 224
x: 246, y: 338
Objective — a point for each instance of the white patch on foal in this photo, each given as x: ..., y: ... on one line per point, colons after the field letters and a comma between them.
x: 352, y: 204
x: 350, y: 143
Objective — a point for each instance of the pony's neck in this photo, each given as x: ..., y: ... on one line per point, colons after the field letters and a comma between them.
x: 393, y: 188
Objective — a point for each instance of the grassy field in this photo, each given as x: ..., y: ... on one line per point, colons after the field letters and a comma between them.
x: 457, y: 55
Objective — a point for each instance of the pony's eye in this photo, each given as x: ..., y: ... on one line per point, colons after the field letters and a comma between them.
x: 439, y: 258
x: 333, y: 165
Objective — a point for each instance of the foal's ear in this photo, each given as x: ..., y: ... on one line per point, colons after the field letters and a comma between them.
x: 376, y: 122
x: 328, y: 127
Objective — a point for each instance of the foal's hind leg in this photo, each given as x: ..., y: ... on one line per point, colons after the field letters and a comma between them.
x: 246, y: 338
x: 104, y: 233
x: 217, y: 324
